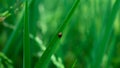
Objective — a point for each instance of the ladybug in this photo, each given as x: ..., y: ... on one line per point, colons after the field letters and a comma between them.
x: 60, y: 34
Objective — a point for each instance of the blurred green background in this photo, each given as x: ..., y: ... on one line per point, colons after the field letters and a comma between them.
x: 79, y: 42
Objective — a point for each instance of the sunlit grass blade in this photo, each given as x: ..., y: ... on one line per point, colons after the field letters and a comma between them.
x: 26, y: 40
x: 100, y: 50
x: 45, y: 58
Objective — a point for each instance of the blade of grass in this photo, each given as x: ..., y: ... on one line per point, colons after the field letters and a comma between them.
x: 99, y: 53
x: 58, y: 63
x: 9, y: 47
x: 26, y: 40
x: 110, y: 51
x: 45, y: 58
x: 73, y: 66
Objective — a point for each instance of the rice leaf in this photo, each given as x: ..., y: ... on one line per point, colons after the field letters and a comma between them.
x: 26, y: 40
x: 45, y: 58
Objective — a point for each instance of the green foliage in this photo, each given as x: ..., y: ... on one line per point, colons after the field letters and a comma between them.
x: 51, y: 46
x: 26, y: 40
x: 106, y: 35
x: 60, y: 34
x: 5, y: 62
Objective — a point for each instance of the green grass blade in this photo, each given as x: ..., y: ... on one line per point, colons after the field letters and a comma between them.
x: 45, y: 58
x: 26, y: 40
x: 73, y: 66
x: 105, y: 38
x: 9, y: 47
x: 110, y: 52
